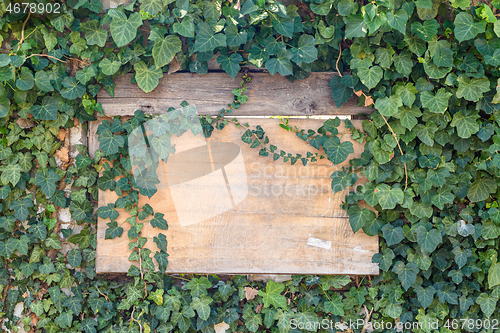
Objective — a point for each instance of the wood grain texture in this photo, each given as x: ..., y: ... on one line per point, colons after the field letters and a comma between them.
x: 268, y: 95
x: 290, y: 221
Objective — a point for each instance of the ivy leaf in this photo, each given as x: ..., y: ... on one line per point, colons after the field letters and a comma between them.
x: 336, y: 151
x: 335, y: 306
x: 152, y: 6
x: 20, y: 208
x: 487, y: 303
x: 113, y: 230
x: 472, y: 89
x: 235, y: 38
x: 72, y: 89
x: 428, y: 239
x: 257, y: 56
x: 340, y: 92
x: 46, y: 179
x: 283, y: 26
x: 370, y: 77
x: 47, y: 110
x: 466, y: 123
x: 427, y: 30
x: 25, y: 81
x: 335, y: 281
x: 4, y: 106
x: 123, y: 29
x: 110, y: 143
x: 494, y: 59
x: 397, y: 20
x: 108, y: 211
x: 355, y: 26
x: 389, y: 197
x: 435, y: 103
x: 494, y: 275
x: 466, y: 28
x: 358, y: 217
x: 392, y: 235
x: 342, y: 179
x: 407, y: 93
x: 42, y: 81
x: 407, y: 274
x: 11, y: 174
x: 185, y: 27
x: 388, y: 106
x: 481, y: 189
x: 109, y: 67
x: 165, y: 49
x: 198, y: 286
x: 441, y: 54
x: 403, y: 62
x: 425, y: 296
x: 272, y: 295
x: 94, y: 35
x: 281, y: 63
x: 408, y: 116
x: 230, y: 64
x: 159, y: 222
x: 147, y: 78
x: 305, y: 52
x: 206, y: 40
x: 74, y: 258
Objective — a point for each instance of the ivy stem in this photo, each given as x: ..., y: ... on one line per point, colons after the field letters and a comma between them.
x: 22, y: 32
x: 337, y: 63
x: 401, y: 150
x: 44, y: 55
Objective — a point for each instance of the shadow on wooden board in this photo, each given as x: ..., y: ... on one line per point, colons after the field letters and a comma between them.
x: 289, y: 221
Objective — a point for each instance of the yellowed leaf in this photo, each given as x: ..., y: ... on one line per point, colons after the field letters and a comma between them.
x: 221, y: 328
x: 250, y: 293
x: 358, y: 93
x: 62, y: 134
x: 368, y: 101
x: 174, y: 66
x: 62, y: 154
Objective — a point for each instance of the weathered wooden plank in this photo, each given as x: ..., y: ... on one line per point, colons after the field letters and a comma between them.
x: 268, y: 95
x: 289, y: 222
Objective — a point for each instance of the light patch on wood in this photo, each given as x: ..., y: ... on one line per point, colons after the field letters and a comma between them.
x: 316, y: 242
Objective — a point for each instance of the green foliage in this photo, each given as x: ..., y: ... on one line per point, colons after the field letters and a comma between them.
x: 431, y: 159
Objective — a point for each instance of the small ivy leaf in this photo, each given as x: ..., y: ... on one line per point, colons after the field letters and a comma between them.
x: 147, y: 78
x: 152, y: 6
x: 397, y: 20
x: 340, y: 92
x: 407, y: 93
x: 342, y: 179
x: 123, y: 29
x: 206, y: 40
x: 93, y: 33
x: 407, y: 274
x: 472, y: 89
x: 389, y: 197
x: 392, y: 235
x: 11, y: 174
x: 230, y: 64
x: 358, y: 217
x: 336, y: 151
x: 435, y: 103
x: 494, y: 275
x: 159, y: 222
x: 109, y: 67
x: 305, y: 52
x: 74, y: 258
x: 487, y: 303
x: 425, y: 296
x: 441, y: 53
x: 110, y: 143
x: 370, y: 77
x: 113, y: 230
x: 284, y: 26
x: 25, y: 81
x: 47, y: 110
x: 427, y: 30
x: 466, y: 123
x: 165, y: 49
x: 198, y: 286
x: 257, y: 56
x: 481, y: 189
x: 466, y: 28
x: 272, y: 295
x: 235, y: 38
x: 355, y: 26
x: 72, y: 89
x: 20, y: 208
x: 46, y: 179
x: 335, y: 281
x: 281, y: 63
x: 108, y: 211
x: 42, y: 81
x: 388, y: 106
x: 428, y: 239
x: 185, y: 27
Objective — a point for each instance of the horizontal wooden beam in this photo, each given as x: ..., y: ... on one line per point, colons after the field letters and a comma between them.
x: 268, y: 95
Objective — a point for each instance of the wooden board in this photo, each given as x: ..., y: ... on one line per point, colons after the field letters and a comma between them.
x: 290, y: 221
x: 268, y: 95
